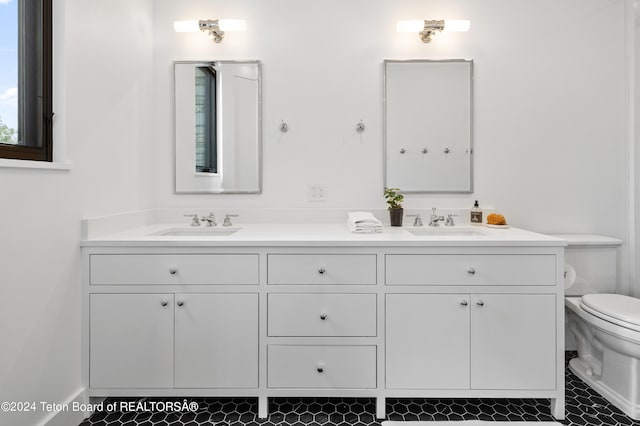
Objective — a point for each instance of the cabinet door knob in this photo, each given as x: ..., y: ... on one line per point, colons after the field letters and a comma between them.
x: 164, y: 302
x: 173, y: 270
x: 180, y: 302
x: 471, y: 271
x: 480, y: 303
x: 463, y: 303
x: 322, y: 270
x: 320, y: 369
x: 323, y: 316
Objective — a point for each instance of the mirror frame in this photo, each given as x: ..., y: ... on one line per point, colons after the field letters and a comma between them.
x: 259, y: 125
x: 386, y: 142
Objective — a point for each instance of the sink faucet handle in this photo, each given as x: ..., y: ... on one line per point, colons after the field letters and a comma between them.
x: 417, y: 221
x: 227, y: 219
x: 450, y: 221
x: 195, y: 220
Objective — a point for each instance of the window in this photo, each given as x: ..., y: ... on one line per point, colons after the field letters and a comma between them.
x: 206, y: 129
x: 26, y: 80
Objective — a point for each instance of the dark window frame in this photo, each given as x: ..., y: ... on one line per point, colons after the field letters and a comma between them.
x: 35, y: 83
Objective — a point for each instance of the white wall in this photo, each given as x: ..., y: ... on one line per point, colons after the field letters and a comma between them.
x: 550, y: 125
x: 634, y: 22
x: 551, y: 149
x: 103, y: 109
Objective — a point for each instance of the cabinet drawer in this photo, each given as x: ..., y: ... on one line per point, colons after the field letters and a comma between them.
x: 118, y: 269
x: 322, y: 269
x: 340, y: 367
x: 470, y: 269
x: 313, y: 315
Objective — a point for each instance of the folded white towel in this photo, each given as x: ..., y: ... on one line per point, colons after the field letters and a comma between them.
x: 367, y: 231
x: 363, y: 222
x: 363, y: 218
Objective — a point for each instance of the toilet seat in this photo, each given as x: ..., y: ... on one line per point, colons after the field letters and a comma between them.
x: 615, y: 308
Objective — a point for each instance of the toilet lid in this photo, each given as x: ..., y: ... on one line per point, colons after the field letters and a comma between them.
x: 615, y: 308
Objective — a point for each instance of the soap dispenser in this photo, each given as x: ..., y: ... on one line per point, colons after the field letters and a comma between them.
x: 476, y: 214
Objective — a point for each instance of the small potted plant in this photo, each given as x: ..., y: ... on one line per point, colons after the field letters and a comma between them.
x: 394, y: 199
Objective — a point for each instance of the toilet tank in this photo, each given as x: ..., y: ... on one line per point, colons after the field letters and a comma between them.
x: 593, y: 257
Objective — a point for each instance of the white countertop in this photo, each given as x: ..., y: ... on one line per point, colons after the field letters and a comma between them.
x: 583, y: 240
x: 317, y: 235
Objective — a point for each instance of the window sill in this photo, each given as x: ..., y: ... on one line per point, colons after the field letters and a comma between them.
x: 28, y: 164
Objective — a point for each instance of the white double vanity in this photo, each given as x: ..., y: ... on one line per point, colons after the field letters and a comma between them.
x: 274, y: 310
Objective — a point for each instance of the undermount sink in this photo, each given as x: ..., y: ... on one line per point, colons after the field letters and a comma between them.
x: 444, y: 231
x: 197, y: 232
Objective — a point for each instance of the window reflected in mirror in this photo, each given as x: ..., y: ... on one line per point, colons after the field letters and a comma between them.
x: 206, y: 123
x: 218, y: 130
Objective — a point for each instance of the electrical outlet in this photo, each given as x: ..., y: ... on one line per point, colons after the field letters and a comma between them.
x: 317, y: 192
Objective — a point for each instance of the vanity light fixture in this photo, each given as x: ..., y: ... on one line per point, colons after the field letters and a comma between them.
x: 427, y: 29
x: 215, y: 28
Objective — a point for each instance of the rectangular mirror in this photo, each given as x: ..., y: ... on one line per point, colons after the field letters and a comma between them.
x: 428, y: 125
x: 218, y: 127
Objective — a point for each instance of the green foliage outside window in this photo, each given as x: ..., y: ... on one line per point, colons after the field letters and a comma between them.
x: 7, y: 134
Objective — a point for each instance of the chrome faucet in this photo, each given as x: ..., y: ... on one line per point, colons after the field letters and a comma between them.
x: 417, y: 221
x: 210, y: 220
x: 227, y: 219
x: 435, y: 219
x: 195, y: 220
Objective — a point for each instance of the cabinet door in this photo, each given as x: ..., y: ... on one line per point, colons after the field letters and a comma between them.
x: 131, y: 343
x: 216, y: 341
x: 513, y: 341
x: 427, y: 341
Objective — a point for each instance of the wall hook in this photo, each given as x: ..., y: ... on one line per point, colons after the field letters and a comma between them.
x: 425, y: 150
x: 284, y: 128
x: 447, y: 150
x: 360, y: 127
x: 402, y: 150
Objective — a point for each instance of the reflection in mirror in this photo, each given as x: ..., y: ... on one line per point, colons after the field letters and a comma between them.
x: 428, y: 128
x: 218, y: 127
x: 206, y: 148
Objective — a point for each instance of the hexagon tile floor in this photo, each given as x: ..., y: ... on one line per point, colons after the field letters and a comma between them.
x: 584, y: 407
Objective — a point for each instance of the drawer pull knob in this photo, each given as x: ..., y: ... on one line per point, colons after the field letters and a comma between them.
x: 471, y: 271
x: 323, y: 316
x: 320, y: 369
x: 480, y: 303
x: 463, y: 303
x: 322, y: 270
x: 180, y: 302
x: 164, y: 302
x: 173, y: 270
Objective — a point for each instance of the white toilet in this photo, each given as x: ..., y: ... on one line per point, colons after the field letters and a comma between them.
x: 603, y: 326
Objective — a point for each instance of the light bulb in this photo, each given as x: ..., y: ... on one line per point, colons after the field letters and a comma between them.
x: 185, y: 26
x: 456, y: 25
x: 232, y: 25
x: 410, y: 26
